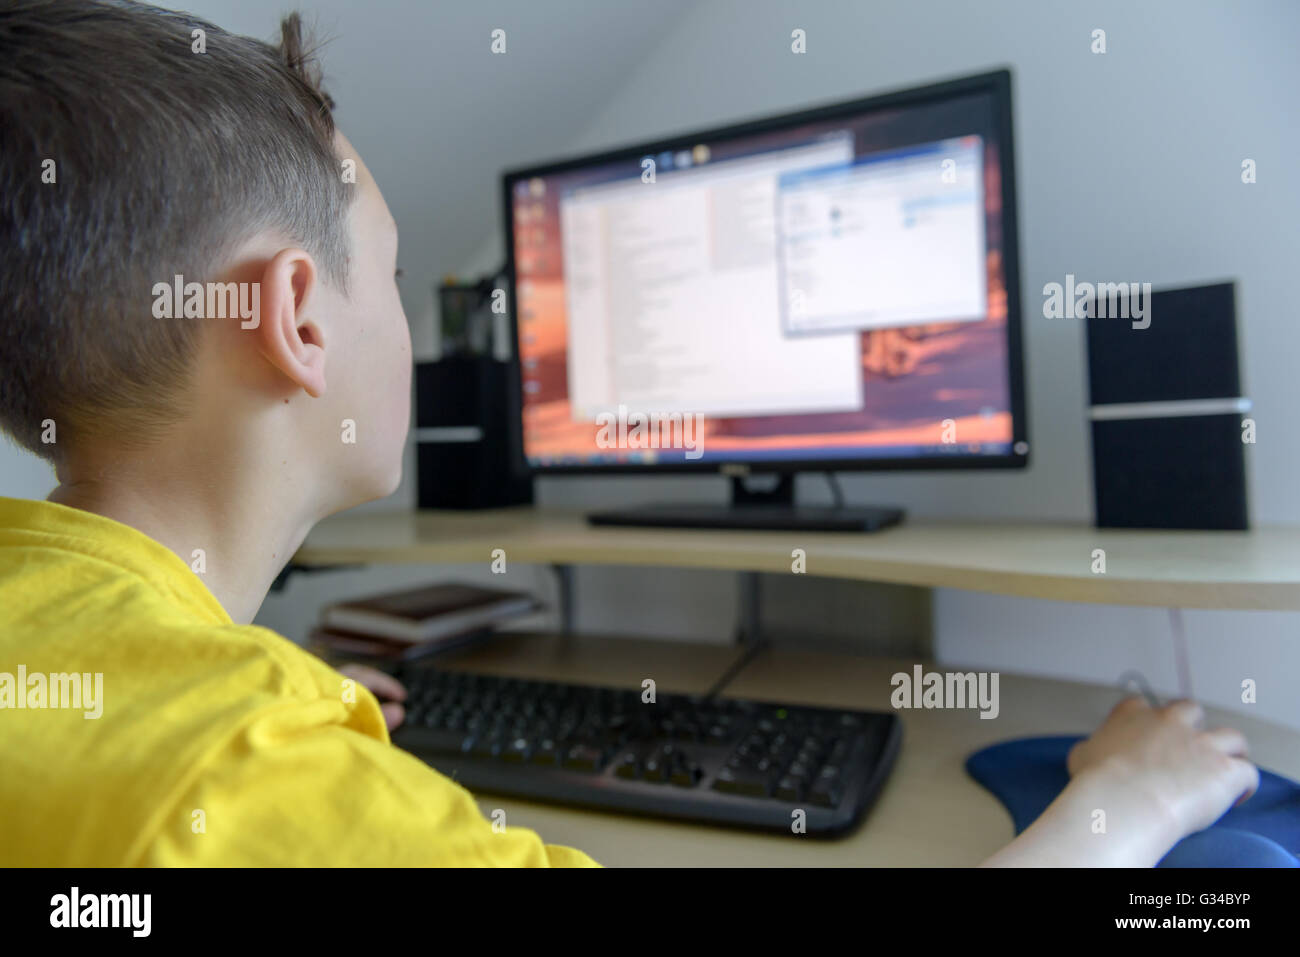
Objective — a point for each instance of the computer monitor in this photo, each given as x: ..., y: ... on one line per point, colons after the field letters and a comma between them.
x: 833, y: 289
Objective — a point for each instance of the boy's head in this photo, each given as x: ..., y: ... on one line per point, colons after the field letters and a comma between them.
x: 138, y: 145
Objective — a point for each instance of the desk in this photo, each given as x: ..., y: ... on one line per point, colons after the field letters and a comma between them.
x: 1253, y: 570
x: 930, y: 813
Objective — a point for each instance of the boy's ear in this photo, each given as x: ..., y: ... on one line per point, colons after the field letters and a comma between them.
x: 288, y: 339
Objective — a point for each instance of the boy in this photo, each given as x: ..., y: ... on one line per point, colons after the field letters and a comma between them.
x: 197, y: 438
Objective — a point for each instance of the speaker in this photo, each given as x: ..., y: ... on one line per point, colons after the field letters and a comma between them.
x: 466, y: 420
x: 1167, y: 411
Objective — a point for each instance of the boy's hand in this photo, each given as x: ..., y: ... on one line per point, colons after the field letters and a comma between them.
x: 384, y: 686
x: 1193, y: 776
x: 1157, y: 777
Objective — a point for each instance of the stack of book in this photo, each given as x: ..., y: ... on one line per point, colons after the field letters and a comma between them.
x: 415, y: 622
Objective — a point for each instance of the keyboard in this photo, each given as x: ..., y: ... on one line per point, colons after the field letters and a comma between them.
x: 715, y: 760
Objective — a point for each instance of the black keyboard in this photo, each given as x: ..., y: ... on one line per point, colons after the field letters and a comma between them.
x: 710, y: 759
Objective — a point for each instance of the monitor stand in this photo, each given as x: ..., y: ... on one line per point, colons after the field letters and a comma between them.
x: 772, y: 510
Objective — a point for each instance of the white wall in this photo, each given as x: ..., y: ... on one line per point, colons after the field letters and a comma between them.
x: 1128, y: 168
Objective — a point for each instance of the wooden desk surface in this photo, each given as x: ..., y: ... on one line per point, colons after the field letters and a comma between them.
x: 930, y: 812
x: 1259, y: 569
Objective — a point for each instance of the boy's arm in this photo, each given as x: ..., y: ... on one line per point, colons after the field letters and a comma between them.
x: 328, y: 796
x: 1154, y: 776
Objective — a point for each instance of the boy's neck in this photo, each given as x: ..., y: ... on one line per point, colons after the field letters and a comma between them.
x: 245, y: 536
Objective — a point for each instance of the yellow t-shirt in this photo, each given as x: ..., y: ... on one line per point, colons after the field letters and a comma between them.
x: 215, y: 744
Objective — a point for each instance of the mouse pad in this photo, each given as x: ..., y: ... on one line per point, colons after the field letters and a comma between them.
x: 1027, y: 774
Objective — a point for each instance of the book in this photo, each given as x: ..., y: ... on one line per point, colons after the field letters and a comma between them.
x: 428, y: 613
x: 345, y: 645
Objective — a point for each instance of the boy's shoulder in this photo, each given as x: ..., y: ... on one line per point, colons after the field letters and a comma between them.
x: 90, y: 594
x: 118, y: 687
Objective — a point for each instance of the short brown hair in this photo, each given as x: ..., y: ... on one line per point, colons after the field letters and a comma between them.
x: 164, y: 159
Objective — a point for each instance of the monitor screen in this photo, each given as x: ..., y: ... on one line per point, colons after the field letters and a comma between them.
x: 826, y: 289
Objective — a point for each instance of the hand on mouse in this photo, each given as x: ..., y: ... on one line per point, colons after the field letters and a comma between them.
x: 1149, y: 777
x: 1193, y: 775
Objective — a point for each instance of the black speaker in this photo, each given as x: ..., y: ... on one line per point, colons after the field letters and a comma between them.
x: 1167, y: 411
x: 466, y: 417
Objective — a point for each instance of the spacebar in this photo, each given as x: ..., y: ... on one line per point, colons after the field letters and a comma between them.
x: 429, y: 739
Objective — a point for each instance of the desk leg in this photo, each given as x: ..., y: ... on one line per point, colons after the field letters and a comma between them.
x: 748, y: 631
x: 564, y: 582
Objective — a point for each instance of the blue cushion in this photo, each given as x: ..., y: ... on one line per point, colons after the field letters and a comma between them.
x: 1027, y: 774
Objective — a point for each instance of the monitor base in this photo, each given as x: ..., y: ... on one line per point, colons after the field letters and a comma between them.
x: 802, y: 518
x: 771, y: 509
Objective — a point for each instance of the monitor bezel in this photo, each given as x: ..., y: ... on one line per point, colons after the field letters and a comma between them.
x: 996, y: 82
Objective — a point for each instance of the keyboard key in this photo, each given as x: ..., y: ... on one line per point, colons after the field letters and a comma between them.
x: 726, y: 782
x: 485, y: 746
x: 827, y: 790
x: 584, y: 758
x: 742, y: 782
x: 438, y: 742
x: 629, y: 766
x: 686, y: 775
x: 659, y: 763
x: 518, y: 750
x: 789, y: 789
x: 547, y: 752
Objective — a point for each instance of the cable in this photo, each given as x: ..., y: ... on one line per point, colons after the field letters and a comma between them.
x: 739, y: 665
x: 837, y: 494
x: 1181, y: 660
x: 1134, y: 677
